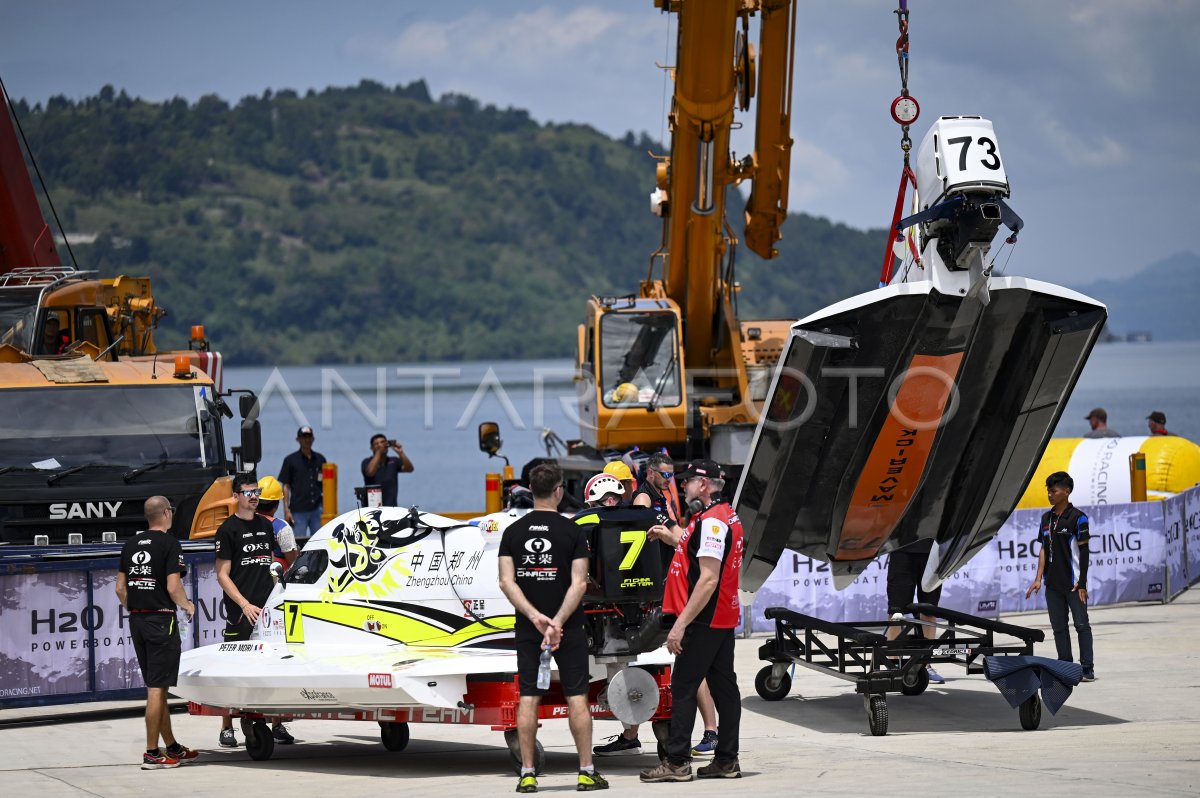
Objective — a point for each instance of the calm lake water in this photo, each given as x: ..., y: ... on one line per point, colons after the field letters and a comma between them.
x: 435, y: 410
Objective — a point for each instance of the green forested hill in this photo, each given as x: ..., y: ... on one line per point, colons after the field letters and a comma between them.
x: 377, y: 224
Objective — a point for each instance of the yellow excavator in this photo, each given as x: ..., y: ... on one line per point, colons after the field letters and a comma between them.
x: 673, y: 366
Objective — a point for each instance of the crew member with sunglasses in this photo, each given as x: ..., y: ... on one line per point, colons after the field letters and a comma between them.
x: 244, y: 542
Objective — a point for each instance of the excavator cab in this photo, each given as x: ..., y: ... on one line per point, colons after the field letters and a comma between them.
x: 631, y: 361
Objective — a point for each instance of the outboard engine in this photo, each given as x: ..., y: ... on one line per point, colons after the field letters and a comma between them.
x: 625, y: 587
x: 963, y: 187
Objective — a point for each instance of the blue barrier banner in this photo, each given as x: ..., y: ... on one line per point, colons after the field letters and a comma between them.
x: 65, y: 636
x: 1191, y: 533
x: 1174, y: 534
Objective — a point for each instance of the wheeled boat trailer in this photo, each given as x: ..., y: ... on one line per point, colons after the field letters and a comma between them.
x: 878, y: 666
x: 491, y: 700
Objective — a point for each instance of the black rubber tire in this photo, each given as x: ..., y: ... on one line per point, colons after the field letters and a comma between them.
x: 260, y: 744
x: 920, y: 686
x: 1031, y: 712
x: 877, y: 715
x: 772, y: 692
x: 394, y: 736
x: 514, y: 753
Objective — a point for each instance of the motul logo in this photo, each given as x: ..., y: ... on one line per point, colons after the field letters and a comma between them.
x: 379, y: 680
x: 66, y: 511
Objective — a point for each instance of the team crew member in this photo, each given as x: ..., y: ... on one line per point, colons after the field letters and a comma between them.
x: 243, y: 542
x: 906, y: 566
x: 150, y: 586
x: 1063, y: 561
x: 543, y: 560
x: 603, y: 490
x: 622, y: 472
x: 285, y: 551
x: 701, y: 592
x: 655, y: 493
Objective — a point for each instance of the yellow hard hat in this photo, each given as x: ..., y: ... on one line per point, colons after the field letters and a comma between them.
x: 625, y: 392
x: 618, y: 469
x: 272, y: 491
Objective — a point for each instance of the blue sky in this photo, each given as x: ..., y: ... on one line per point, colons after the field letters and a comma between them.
x: 1094, y: 101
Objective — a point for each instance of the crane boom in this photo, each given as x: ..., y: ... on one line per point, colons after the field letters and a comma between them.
x: 672, y: 367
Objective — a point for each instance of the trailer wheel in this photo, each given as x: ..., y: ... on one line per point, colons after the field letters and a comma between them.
x: 394, y: 736
x: 877, y: 715
x: 513, y: 741
x: 1031, y: 712
x: 260, y: 742
x: 922, y: 682
x: 770, y: 688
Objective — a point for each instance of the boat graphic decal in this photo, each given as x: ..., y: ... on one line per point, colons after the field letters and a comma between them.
x: 357, y: 555
x: 893, y: 471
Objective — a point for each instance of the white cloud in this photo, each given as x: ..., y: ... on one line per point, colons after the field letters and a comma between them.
x: 1080, y: 149
x: 815, y: 174
x: 530, y: 41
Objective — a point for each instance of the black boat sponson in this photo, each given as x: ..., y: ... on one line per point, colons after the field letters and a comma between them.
x: 903, y: 414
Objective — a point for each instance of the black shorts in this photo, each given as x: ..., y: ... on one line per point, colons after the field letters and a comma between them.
x: 238, y: 631
x: 905, y: 569
x: 156, y: 642
x: 571, y: 659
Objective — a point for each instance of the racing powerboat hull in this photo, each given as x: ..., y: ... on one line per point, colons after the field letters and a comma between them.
x: 905, y: 414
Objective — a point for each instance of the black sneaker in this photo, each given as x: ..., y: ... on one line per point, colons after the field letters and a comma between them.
x: 227, y: 739
x: 619, y: 746
x: 1089, y: 675
x: 282, y: 735
x: 720, y: 770
x: 591, y: 781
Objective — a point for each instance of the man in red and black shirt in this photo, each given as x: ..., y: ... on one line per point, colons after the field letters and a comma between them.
x: 702, y: 593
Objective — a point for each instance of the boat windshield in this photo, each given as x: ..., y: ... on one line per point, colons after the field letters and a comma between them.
x: 17, y: 309
x: 638, y: 363
x: 125, y: 425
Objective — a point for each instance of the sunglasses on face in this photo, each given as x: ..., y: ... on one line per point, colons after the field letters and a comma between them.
x: 251, y: 494
x: 666, y: 474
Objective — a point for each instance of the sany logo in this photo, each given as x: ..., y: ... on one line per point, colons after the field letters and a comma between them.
x: 379, y: 680
x: 65, y: 511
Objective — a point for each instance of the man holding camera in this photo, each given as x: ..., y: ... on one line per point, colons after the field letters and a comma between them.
x: 383, y: 470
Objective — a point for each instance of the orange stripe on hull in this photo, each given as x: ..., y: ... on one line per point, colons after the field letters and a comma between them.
x: 892, y: 473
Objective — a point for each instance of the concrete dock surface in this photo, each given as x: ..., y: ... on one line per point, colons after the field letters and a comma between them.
x: 1134, y: 731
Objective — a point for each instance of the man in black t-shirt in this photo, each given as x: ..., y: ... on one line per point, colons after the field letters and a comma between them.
x: 150, y: 586
x: 244, y: 542
x: 543, y: 562
x: 383, y: 470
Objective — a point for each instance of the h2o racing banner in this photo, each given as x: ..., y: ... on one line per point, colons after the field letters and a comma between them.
x: 65, y: 636
x: 1130, y: 551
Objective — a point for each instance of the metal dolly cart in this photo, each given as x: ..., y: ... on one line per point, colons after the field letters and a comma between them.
x: 878, y: 666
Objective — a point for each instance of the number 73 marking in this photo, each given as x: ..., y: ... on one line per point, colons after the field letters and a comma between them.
x: 636, y: 540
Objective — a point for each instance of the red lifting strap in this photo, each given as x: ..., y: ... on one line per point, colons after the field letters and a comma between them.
x: 906, y: 176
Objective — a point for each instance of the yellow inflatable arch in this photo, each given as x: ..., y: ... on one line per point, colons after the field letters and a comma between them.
x: 1100, y: 468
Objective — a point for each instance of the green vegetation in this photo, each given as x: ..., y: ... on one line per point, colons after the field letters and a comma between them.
x: 376, y: 224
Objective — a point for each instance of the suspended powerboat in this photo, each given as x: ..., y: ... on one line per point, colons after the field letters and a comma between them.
x: 918, y: 410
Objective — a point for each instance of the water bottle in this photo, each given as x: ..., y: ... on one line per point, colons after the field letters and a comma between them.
x: 185, y: 625
x: 543, y: 680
